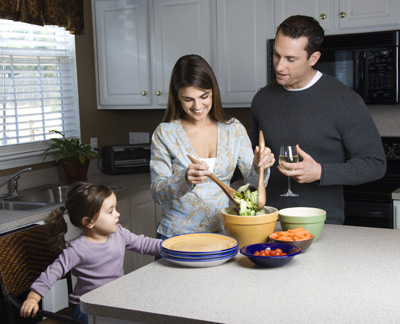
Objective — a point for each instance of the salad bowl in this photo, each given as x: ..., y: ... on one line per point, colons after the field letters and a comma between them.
x: 249, y: 229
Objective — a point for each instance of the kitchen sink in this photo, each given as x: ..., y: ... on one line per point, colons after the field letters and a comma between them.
x: 48, y: 194
x: 20, y: 205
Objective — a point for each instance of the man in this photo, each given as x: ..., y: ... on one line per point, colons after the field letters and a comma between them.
x: 337, y: 140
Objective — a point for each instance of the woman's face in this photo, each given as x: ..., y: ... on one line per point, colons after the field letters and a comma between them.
x: 196, y: 102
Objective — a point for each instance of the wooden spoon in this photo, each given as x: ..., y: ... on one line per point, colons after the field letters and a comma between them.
x: 230, y: 192
x: 262, y: 194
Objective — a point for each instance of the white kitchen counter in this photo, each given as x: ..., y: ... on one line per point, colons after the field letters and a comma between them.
x: 396, y: 194
x: 125, y: 185
x: 351, y: 275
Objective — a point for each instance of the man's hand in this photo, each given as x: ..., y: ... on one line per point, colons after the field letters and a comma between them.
x: 305, y: 171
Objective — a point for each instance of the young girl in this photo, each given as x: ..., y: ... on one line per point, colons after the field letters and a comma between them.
x: 94, y: 258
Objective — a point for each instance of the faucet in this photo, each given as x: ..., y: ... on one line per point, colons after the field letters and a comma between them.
x: 14, y: 178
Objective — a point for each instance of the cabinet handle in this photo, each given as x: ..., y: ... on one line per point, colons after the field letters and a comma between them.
x: 322, y: 16
x: 342, y: 14
x: 158, y: 93
x: 144, y: 93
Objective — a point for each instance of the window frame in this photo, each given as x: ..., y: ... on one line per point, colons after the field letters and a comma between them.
x: 17, y: 155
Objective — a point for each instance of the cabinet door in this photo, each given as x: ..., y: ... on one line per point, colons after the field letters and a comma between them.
x: 241, y: 46
x: 319, y: 9
x: 122, y: 52
x: 368, y: 13
x: 143, y: 221
x: 181, y: 28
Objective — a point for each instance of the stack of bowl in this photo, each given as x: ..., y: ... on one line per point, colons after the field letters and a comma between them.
x: 311, y: 219
x: 199, y: 249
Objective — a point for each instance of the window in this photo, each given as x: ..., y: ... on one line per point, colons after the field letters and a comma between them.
x: 38, y: 90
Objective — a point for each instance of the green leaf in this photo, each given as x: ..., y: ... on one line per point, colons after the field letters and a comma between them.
x: 71, y: 149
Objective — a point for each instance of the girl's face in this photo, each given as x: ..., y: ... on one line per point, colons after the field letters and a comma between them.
x: 196, y: 102
x: 108, y: 219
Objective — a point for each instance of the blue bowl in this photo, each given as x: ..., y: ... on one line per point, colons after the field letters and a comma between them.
x: 270, y: 261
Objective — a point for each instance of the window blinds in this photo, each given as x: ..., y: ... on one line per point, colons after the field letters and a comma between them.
x: 38, y: 86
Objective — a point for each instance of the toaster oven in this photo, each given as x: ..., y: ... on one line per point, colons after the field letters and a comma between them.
x: 124, y: 159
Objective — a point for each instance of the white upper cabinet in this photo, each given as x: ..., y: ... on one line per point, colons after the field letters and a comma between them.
x: 180, y: 28
x: 241, y: 46
x: 137, y: 43
x: 121, y: 52
x: 319, y: 9
x: 343, y: 16
x: 368, y: 13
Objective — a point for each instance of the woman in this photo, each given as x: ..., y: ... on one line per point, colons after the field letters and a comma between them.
x: 195, y: 124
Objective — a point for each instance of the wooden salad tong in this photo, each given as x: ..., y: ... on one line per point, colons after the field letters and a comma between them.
x: 230, y: 192
x: 262, y: 194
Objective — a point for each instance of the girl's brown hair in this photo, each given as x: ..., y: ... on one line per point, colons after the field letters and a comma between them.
x: 83, y: 205
x: 193, y: 71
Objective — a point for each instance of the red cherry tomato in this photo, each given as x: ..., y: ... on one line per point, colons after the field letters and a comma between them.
x: 268, y: 252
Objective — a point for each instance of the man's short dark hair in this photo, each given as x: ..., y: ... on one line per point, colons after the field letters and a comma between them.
x: 303, y: 26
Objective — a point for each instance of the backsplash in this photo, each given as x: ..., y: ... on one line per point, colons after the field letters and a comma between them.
x: 387, y: 119
x: 53, y: 175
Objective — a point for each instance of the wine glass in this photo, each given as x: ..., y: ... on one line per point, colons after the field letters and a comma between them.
x: 288, y: 154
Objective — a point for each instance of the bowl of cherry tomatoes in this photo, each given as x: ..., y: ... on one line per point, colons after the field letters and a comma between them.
x: 270, y: 255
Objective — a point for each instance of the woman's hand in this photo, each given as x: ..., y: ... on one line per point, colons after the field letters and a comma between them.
x: 197, y: 173
x: 267, y: 158
x: 30, y: 305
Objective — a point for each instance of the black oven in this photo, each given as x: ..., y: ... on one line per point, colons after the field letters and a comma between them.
x: 368, y: 63
x: 371, y: 204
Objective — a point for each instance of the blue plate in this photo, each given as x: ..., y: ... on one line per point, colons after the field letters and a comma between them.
x: 197, y: 257
x: 204, y: 263
x: 199, y: 244
x: 270, y: 261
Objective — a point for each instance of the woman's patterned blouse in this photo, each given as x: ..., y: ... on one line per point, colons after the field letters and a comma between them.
x: 196, y: 208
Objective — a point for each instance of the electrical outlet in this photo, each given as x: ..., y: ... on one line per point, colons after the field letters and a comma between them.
x: 139, y: 138
x: 93, y: 142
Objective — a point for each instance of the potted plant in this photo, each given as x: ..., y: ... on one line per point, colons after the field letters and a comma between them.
x: 74, y: 155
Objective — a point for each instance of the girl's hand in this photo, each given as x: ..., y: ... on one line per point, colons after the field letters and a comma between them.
x: 267, y: 158
x: 197, y: 173
x: 30, y: 305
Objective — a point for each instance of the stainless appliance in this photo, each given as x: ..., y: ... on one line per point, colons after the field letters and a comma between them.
x: 368, y: 63
x: 371, y: 204
x: 124, y: 159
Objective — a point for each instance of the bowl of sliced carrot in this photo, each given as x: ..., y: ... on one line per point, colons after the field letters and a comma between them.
x: 296, y: 236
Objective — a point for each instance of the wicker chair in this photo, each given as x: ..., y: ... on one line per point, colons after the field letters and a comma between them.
x: 24, y: 255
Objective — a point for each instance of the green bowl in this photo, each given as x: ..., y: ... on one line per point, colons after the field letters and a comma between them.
x: 311, y: 219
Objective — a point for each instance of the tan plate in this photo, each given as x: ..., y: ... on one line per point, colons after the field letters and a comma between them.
x: 199, y: 242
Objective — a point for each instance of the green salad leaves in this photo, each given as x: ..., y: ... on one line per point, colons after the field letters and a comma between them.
x: 248, y: 201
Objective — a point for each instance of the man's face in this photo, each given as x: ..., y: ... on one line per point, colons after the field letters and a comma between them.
x: 292, y: 67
